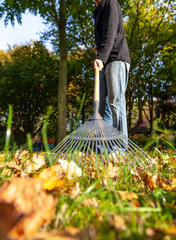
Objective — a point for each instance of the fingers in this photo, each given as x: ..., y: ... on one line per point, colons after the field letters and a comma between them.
x: 98, y: 64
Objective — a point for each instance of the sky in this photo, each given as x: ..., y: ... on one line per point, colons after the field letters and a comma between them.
x: 20, y: 34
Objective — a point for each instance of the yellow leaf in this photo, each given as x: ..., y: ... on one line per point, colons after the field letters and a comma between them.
x: 125, y: 195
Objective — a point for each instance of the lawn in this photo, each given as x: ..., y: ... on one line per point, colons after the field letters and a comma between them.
x: 38, y: 201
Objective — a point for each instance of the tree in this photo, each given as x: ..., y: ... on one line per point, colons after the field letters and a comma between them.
x: 28, y: 82
x: 54, y: 13
x: 150, y: 25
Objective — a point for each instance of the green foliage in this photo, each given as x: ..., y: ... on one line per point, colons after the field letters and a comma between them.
x: 28, y: 82
x: 150, y: 31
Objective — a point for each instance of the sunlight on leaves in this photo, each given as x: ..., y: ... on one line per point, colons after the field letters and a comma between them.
x: 27, y: 207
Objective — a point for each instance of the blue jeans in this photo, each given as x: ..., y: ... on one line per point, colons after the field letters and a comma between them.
x: 113, y: 84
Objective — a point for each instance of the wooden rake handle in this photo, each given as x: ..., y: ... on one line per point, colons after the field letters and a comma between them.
x: 97, y: 87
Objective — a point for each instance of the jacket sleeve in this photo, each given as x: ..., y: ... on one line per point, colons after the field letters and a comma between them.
x: 109, y: 30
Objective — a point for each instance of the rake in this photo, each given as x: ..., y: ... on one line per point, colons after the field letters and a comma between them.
x: 96, y: 141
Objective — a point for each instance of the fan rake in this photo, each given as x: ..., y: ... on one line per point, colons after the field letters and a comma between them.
x: 96, y: 141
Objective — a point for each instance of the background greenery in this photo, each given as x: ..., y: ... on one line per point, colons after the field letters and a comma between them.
x: 32, y: 78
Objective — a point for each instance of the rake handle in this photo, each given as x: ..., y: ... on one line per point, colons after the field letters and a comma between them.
x: 96, y: 90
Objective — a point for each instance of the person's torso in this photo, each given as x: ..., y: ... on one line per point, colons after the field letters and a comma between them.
x: 120, y: 49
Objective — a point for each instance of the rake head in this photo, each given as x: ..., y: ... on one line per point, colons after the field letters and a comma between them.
x: 96, y: 142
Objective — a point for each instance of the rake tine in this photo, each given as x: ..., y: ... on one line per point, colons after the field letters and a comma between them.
x: 92, y: 153
x: 75, y: 142
x: 78, y: 152
x: 143, y: 153
x: 62, y: 147
x: 118, y: 156
x: 85, y: 147
x: 140, y: 152
x: 116, y: 142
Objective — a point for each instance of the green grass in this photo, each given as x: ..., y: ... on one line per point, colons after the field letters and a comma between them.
x: 107, y: 214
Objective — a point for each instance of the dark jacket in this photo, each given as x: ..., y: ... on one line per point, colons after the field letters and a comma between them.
x: 109, y: 32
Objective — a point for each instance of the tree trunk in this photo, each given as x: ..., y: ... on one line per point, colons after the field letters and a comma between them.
x: 62, y: 73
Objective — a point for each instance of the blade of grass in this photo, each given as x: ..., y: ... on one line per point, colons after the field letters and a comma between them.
x: 44, y: 134
x: 8, y: 133
x: 80, y: 109
x: 164, y: 140
x: 150, y: 143
x: 29, y: 142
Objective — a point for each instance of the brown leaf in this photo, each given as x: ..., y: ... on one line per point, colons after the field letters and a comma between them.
x: 11, y: 167
x: 91, y: 202
x: 118, y: 222
x: 35, y: 163
x: 70, y: 170
x: 75, y: 191
x: 30, y: 207
x: 125, y: 195
x: 72, y: 233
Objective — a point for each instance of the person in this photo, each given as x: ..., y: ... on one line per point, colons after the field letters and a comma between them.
x: 113, y: 60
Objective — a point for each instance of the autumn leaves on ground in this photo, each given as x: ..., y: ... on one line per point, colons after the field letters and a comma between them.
x: 38, y: 201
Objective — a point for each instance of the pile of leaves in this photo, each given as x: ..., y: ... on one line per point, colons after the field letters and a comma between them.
x: 62, y: 201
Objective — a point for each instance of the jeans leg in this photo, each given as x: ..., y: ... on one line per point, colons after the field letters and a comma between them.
x: 116, y: 79
x: 104, y: 107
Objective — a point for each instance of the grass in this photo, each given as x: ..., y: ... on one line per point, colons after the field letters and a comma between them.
x: 124, y: 206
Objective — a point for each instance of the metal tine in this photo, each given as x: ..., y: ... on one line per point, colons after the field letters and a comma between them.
x: 78, y: 151
x: 140, y: 152
x: 143, y: 153
x: 139, y: 160
x: 127, y: 140
x: 99, y: 145
x: 86, y: 154
x: 70, y: 147
x: 65, y: 147
x: 92, y: 153
x: 119, y: 143
x: 85, y: 148
x: 60, y: 144
x: 56, y: 148
x: 102, y: 133
x: 120, y: 149
x: 136, y: 147
x: 111, y: 151
x: 96, y: 152
x: 64, y: 143
x: 83, y: 134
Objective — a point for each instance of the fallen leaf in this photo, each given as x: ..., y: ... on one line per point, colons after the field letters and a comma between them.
x: 30, y: 207
x: 173, y: 184
x: 171, y: 230
x: 125, y: 195
x: 35, y: 163
x: 72, y: 233
x: 70, y: 169
x: 118, y: 222
x: 2, y: 156
x: 150, y: 232
x: 11, y: 167
x: 75, y: 191
x: 90, y: 202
